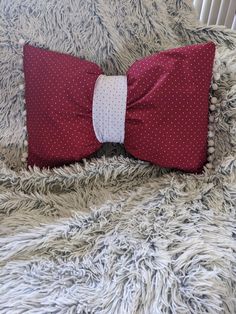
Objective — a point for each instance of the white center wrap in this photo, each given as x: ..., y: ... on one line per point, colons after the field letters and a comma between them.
x: 109, y: 108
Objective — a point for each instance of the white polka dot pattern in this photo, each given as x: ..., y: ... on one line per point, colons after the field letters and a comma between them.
x: 109, y: 107
x: 167, y: 109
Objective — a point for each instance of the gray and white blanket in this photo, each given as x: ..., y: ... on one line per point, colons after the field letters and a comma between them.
x: 113, y: 234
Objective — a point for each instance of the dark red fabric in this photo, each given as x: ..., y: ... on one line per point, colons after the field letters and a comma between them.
x: 166, y: 116
x: 59, y: 95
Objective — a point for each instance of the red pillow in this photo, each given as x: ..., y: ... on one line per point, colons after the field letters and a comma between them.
x: 166, y: 119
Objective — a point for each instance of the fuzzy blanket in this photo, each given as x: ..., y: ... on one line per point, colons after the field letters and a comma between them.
x: 113, y: 234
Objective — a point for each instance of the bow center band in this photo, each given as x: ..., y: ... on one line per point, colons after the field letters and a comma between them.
x: 109, y: 108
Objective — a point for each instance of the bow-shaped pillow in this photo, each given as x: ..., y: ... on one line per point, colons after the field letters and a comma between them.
x: 159, y: 110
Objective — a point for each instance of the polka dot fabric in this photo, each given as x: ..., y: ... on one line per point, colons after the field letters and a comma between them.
x: 109, y: 107
x: 168, y: 105
x: 59, y: 96
x: 166, y: 112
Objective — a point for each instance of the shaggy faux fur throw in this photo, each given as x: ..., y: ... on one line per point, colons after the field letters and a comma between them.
x: 113, y: 234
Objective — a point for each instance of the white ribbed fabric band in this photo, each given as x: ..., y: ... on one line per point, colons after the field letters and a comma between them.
x: 109, y: 107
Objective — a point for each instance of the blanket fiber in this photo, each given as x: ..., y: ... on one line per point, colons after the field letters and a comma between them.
x: 113, y: 234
